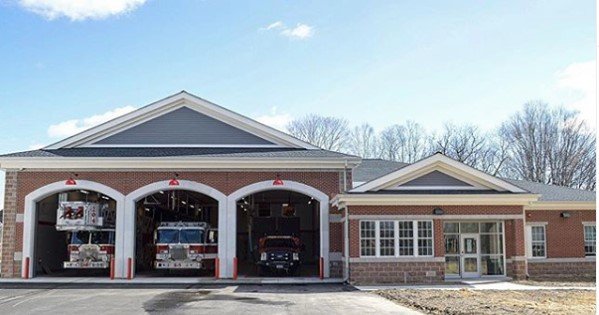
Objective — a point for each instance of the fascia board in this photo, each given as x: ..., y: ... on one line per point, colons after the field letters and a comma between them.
x: 561, y: 205
x: 173, y: 162
x: 385, y: 200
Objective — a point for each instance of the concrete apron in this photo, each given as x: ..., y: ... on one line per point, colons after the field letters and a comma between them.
x: 169, y: 280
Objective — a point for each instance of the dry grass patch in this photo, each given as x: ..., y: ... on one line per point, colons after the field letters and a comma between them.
x: 554, y: 282
x: 466, y: 301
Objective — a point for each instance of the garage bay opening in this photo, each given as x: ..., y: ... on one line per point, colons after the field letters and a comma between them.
x: 176, y: 234
x: 278, y: 234
x: 74, y: 234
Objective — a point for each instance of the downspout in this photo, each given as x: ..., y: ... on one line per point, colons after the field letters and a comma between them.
x: 346, y: 244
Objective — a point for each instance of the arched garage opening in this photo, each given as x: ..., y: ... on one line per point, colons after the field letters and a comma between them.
x: 278, y: 220
x: 172, y: 230
x: 70, y: 230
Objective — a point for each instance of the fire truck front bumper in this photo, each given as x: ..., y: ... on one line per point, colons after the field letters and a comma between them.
x: 85, y: 264
x: 173, y: 264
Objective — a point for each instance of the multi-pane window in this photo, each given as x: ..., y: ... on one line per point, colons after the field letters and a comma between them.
x: 537, y: 241
x: 590, y: 240
x: 425, y: 238
x: 406, y: 238
x: 368, y: 238
x: 389, y: 238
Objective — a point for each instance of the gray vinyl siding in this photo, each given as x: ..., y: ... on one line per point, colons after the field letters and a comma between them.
x: 436, y: 178
x: 184, y: 126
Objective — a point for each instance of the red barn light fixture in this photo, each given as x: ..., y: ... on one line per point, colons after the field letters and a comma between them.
x: 278, y: 181
x: 174, y: 181
x: 71, y: 181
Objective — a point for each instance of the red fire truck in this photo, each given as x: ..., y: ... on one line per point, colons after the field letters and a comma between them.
x: 90, y: 233
x: 185, y: 245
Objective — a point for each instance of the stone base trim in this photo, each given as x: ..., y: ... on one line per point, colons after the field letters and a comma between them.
x: 561, y: 269
x: 396, y: 272
x: 516, y: 269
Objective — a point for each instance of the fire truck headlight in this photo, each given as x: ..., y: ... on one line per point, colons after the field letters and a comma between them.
x: 295, y: 256
x: 263, y: 256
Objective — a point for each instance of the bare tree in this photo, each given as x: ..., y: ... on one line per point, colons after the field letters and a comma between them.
x: 550, y: 146
x: 405, y: 143
x: 459, y: 142
x: 362, y: 141
x: 329, y: 133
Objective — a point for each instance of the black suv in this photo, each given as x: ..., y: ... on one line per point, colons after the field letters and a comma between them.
x: 279, y: 255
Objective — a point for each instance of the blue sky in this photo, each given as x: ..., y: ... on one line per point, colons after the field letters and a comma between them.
x: 65, y: 67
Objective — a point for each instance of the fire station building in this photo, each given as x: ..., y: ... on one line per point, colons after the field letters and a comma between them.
x: 185, y: 159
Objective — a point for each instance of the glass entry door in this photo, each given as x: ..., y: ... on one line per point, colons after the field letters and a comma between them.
x: 470, y: 255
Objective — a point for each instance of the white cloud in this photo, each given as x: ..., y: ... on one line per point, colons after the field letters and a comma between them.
x: 275, y: 120
x: 73, y: 126
x: 300, y: 31
x: 79, y: 10
x: 576, y: 88
x: 275, y: 25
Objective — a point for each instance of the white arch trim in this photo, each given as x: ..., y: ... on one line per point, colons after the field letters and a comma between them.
x: 127, y: 225
x: 230, y: 237
x: 29, y: 217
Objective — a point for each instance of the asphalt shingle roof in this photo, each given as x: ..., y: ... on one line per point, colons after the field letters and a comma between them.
x: 371, y: 169
x: 173, y: 152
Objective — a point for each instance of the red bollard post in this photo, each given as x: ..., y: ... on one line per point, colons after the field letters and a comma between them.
x: 234, y: 268
x: 321, y: 268
x: 111, y: 267
x: 26, y: 275
x: 216, y: 268
x: 129, y: 268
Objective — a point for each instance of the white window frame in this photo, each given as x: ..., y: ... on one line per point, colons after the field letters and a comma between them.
x: 529, y: 241
x: 584, y: 235
x: 376, y: 237
x: 396, y: 238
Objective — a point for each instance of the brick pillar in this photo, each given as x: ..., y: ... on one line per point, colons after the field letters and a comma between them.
x: 439, y: 241
x: 516, y: 252
x: 9, y: 269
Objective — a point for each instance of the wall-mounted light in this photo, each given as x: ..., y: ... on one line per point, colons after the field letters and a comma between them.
x: 438, y: 211
x: 174, y: 181
x: 71, y: 181
x: 278, y: 181
x: 565, y: 214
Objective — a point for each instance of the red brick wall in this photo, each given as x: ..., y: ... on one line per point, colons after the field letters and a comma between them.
x: 327, y: 181
x: 565, y: 236
x: 336, y: 237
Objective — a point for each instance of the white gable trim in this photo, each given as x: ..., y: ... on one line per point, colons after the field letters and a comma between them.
x: 181, y: 99
x: 442, y: 163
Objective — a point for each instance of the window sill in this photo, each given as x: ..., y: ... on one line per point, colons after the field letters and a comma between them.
x: 397, y: 259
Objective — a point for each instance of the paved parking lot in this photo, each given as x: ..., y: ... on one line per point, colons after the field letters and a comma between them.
x: 246, y: 299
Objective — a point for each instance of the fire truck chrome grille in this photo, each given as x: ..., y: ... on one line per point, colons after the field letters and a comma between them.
x: 178, y: 252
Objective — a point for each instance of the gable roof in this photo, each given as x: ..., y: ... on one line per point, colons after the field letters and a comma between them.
x: 438, y: 162
x: 370, y: 169
x: 215, y: 114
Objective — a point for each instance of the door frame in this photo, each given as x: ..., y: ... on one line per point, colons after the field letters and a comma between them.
x: 464, y: 255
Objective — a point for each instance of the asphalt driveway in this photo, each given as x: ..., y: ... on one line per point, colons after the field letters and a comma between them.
x: 245, y: 299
